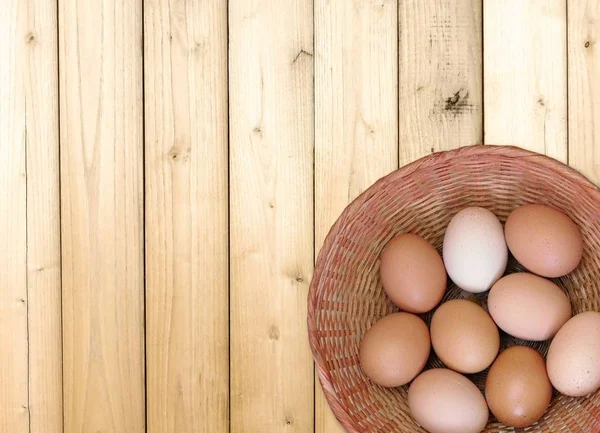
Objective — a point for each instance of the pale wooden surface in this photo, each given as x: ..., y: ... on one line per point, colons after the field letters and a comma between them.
x: 584, y: 86
x: 101, y: 147
x: 14, y: 413
x: 206, y: 147
x: 271, y: 204
x: 43, y: 219
x: 440, y: 98
x: 525, y: 75
x: 187, y: 354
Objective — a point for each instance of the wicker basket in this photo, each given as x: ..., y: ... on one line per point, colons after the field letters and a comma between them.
x: 346, y: 297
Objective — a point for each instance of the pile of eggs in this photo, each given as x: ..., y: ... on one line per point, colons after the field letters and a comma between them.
x: 466, y: 338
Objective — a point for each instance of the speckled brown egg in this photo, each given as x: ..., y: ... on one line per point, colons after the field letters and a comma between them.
x: 544, y: 240
x: 443, y: 401
x: 517, y: 388
x: 412, y: 273
x: 528, y: 306
x: 574, y: 356
x: 395, y: 349
x: 464, y: 336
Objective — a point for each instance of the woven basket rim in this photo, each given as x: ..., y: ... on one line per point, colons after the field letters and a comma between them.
x: 560, y: 169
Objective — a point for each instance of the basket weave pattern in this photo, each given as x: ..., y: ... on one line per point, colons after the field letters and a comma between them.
x: 346, y: 297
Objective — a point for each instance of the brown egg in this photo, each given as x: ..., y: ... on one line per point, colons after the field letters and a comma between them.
x: 544, y: 240
x: 574, y: 356
x: 517, y: 388
x: 395, y: 349
x: 528, y: 306
x: 443, y: 401
x: 412, y: 273
x: 464, y: 336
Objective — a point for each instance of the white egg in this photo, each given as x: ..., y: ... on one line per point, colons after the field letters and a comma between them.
x: 475, y: 252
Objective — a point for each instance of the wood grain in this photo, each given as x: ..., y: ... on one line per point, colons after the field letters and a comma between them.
x: 14, y: 413
x: 440, y: 93
x: 271, y: 195
x: 187, y: 324
x: 230, y: 223
x: 525, y: 82
x: 43, y: 218
x: 356, y: 116
x: 584, y: 86
x: 100, y: 44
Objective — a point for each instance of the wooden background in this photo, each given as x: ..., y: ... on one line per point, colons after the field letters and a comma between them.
x: 170, y: 168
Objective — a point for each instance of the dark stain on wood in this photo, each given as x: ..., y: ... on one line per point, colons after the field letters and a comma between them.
x: 30, y: 38
x: 300, y: 53
x: 458, y: 103
x: 273, y: 333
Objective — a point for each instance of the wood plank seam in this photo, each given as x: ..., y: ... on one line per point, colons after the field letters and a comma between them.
x: 43, y: 219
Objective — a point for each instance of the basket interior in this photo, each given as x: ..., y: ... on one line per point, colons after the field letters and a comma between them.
x: 347, y: 298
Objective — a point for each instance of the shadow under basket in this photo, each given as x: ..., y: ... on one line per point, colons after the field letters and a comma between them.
x: 346, y: 296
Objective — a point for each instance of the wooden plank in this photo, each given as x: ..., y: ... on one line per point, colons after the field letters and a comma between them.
x: 440, y: 81
x: 186, y: 216
x: 14, y: 414
x: 271, y: 205
x: 584, y: 86
x: 525, y: 82
x: 100, y: 43
x: 43, y: 219
x: 356, y: 116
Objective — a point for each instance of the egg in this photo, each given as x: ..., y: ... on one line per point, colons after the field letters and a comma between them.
x: 474, y: 251
x: 443, y: 401
x: 574, y: 356
x: 529, y: 307
x: 517, y: 388
x: 395, y: 349
x: 464, y: 336
x: 544, y: 240
x: 412, y: 273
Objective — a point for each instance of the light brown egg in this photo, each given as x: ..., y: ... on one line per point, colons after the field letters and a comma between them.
x: 544, y: 240
x: 464, y: 336
x: 517, y: 388
x: 529, y: 307
x: 443, y: 401
x: 574, y: 356
x: 395, y: 349
x: 412, y: 273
